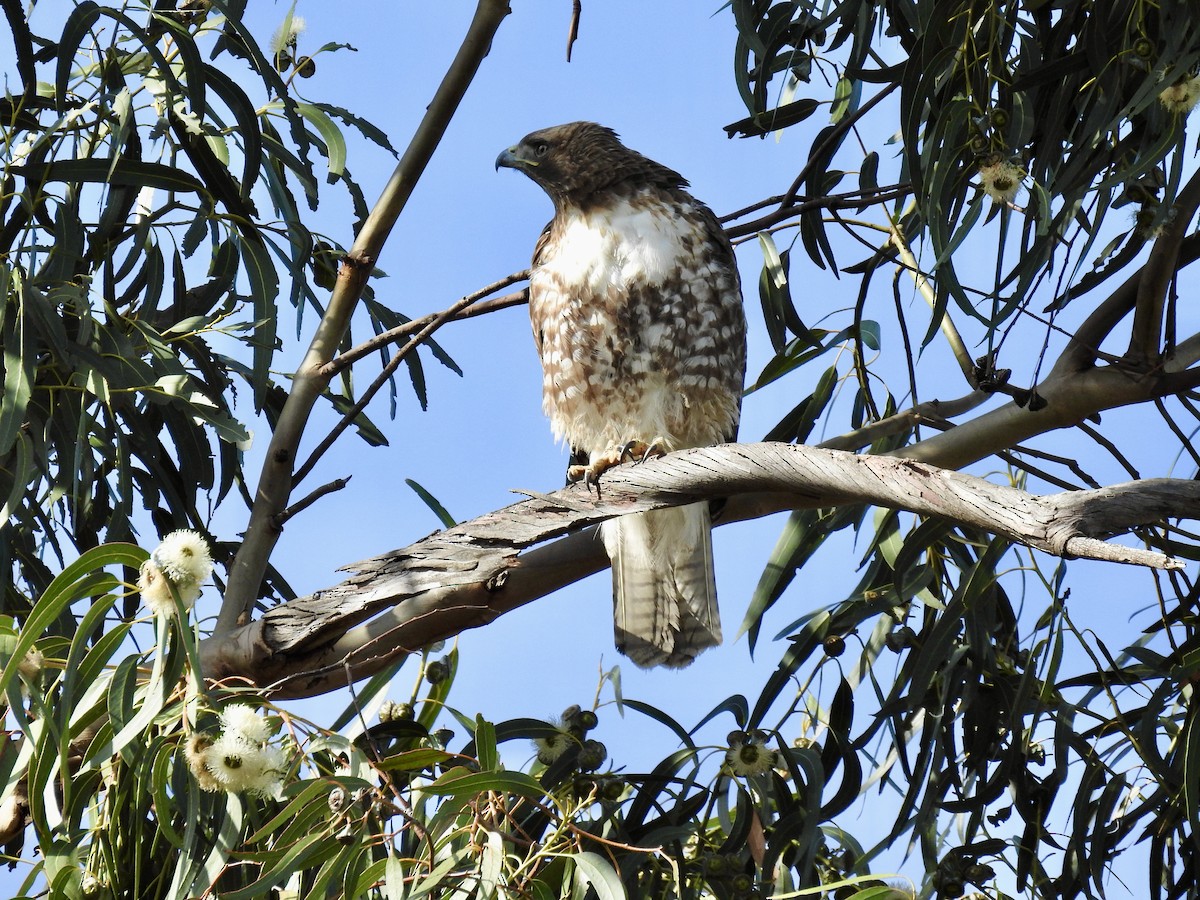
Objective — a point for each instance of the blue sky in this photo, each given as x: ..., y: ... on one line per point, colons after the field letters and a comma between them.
x: 661, y: 74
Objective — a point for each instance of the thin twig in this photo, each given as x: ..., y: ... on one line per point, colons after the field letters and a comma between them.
x: 393, y: 335
x: 847, y: 200
x: 353, y: 412
x: 336, y: 485
x: 1095, y: 435
x: 753, y: 207
x: 1064, y: 461
x: 573, y: 32
x: 931, y: 411
x: 1184, y: 440
x: 831, y: 139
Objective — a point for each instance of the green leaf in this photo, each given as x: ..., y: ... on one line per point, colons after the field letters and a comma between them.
x: 461, y: 782
x: 597, y: 873
x: 335, y: 143
x: 309, y: 851
x: 1191, y: 768
x: 75, y: 29
x: 773, y: 291
x: 491, y: 864
x: 367, y: 430
x: 247, y: 121
x: 868, y: 173
x: 264, y: 293
x: 119, y: 172
x: 18, y: 365
x: 846, y: 94
x: 365, y: 128
x: 773, y: 120
x: 429, y: 500
x: 71, y: 584
x: 415, y: 760
x: 485, y: 745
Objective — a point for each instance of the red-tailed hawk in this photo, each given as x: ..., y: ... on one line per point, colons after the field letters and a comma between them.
x: 637, y: 314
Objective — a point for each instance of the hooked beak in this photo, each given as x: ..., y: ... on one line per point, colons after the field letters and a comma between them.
x: 512, y: 159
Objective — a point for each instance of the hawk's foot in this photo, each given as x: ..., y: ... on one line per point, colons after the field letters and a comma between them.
x: 640, y: 451
x: 597, y: 466
x: 635, y: 450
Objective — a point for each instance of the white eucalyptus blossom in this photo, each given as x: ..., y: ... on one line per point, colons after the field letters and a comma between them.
x: 1181, y: 97
x: 285, y: 36
x: 238, y: 765
x: 182, y: 560
x: 748, y: 754
x: 156, y: 592
x: 552, y: 746
x: 184, y: 557
x: 246, y: 721
x: 195, y: 753
x: 1001, y: 179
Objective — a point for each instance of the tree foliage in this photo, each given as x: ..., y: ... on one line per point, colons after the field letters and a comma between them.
x: 164, y: 227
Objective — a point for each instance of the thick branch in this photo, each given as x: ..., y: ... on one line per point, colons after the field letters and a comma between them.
x: 1069, y: 399
x: 468, y: 575
x: 275, y: 482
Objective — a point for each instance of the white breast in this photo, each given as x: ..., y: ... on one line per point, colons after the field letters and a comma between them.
x: 615, y: 247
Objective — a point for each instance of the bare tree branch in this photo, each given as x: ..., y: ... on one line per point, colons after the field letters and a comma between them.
x: 1070, y: 398
x: 469, y: 575
x: 1084, y: 347
x: 1146, y: 338
x: 453, y: 313
x: 275, y: 482
x: 847, y: 200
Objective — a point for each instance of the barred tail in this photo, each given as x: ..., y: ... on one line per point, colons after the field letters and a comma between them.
x: 664, y: 594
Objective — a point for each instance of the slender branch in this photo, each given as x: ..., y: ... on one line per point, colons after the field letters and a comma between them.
x: 1185, y: 354
x: 348, y: 417
x: 300, y: 505
x: 489, y: 306
x: 847, y: 200
x: 394, y: 335
x: 832, y: 139
x: 753, y: 207
x: 275, y: 482
x: 929, y: 411
x: 1084, y: 346
x: 1146, y: 337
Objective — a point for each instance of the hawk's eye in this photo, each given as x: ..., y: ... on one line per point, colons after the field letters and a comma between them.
x: 541, y: 148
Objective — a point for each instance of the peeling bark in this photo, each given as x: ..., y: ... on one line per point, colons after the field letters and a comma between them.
x: 467, y: 576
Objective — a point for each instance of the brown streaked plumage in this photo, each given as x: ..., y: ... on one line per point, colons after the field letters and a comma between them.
x: 637, y: 315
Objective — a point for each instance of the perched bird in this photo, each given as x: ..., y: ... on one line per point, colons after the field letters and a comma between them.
x: 637, y: 314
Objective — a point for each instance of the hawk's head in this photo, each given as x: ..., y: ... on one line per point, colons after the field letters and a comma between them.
x: 574, y: 162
